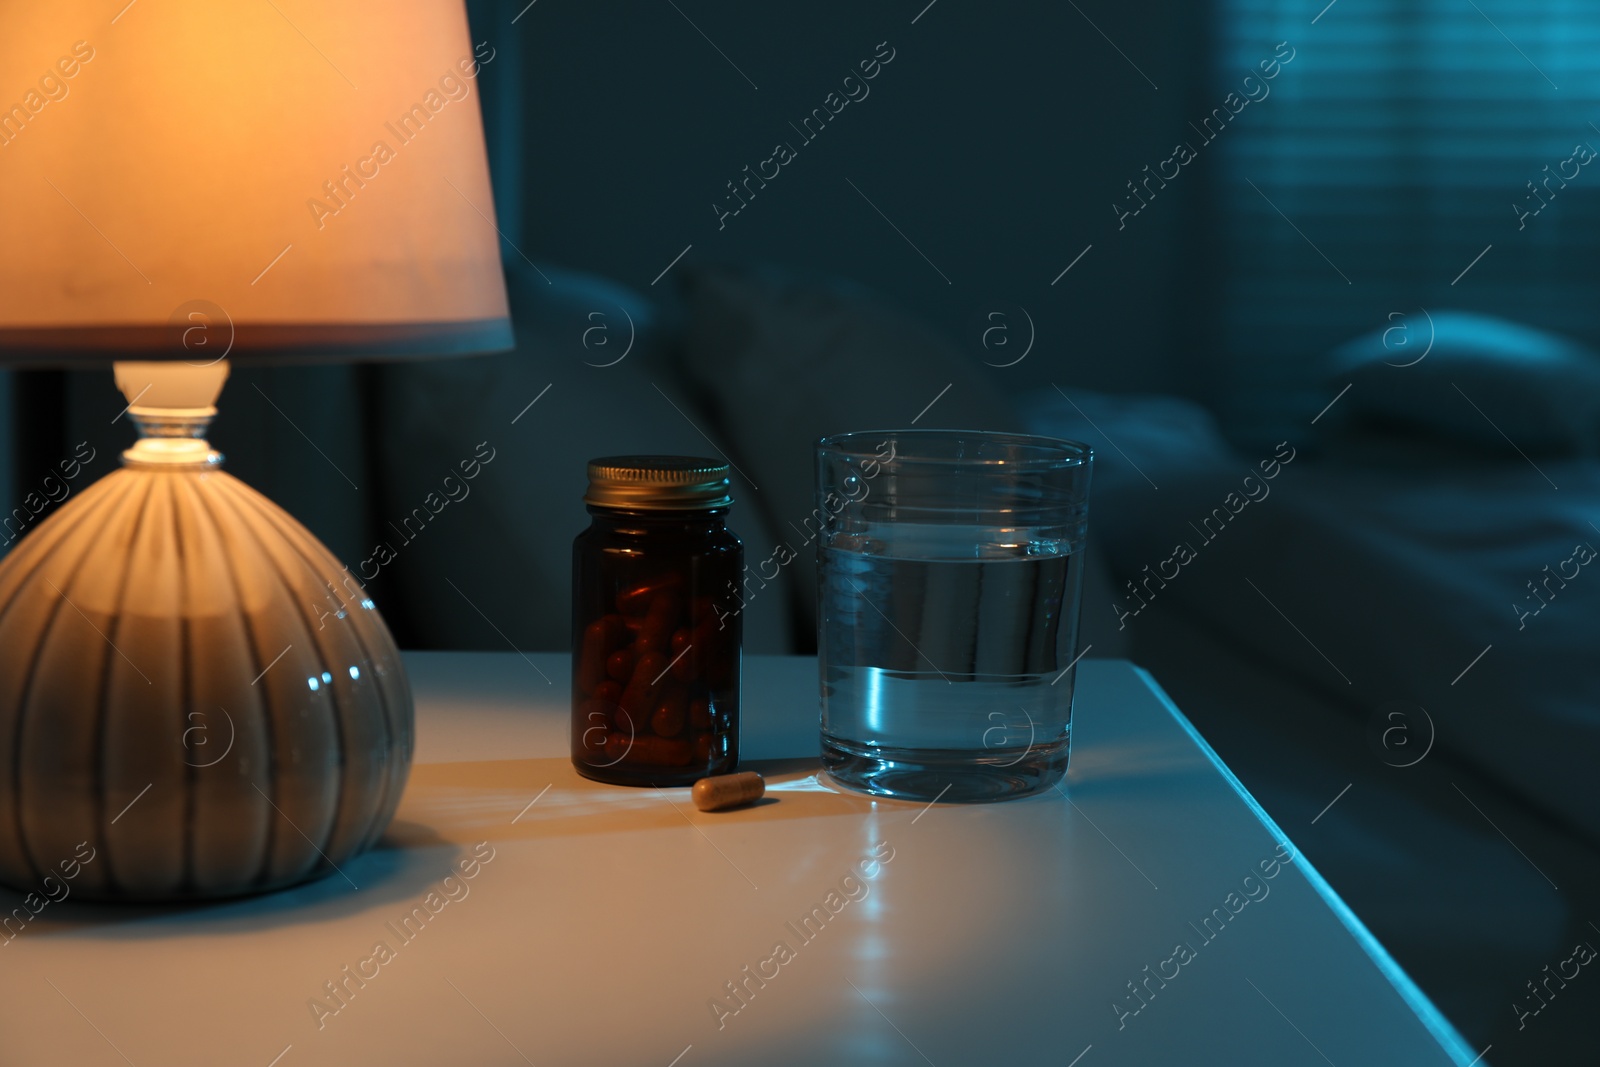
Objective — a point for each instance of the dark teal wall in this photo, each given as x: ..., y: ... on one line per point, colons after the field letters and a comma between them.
x: 997, y: 140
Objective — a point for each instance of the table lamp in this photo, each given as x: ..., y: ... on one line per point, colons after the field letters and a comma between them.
x: 196, y: 699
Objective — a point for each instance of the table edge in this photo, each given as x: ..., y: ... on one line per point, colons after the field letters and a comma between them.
x: 1440, y: 1027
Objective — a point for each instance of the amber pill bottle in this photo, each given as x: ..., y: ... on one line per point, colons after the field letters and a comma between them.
x: 655, y: 623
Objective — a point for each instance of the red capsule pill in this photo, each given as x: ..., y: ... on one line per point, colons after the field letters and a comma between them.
x: 685, y: 668
x: 619, y: 665
x: 669, y: 716
x: 655, y: 632
x: 637, y: 600
x: 599, y: 639
x: 626, y: 724
x: 644, y: 687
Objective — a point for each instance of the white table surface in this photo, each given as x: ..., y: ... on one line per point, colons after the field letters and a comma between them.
x: 609, y: 918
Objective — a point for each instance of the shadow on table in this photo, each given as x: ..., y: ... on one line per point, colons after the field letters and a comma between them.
x: 406, y: 864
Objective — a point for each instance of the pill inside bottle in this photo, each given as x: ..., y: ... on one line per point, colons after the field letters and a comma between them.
x: 728, y: 790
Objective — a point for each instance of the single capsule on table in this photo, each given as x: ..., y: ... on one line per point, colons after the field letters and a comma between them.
x: 728, y: 790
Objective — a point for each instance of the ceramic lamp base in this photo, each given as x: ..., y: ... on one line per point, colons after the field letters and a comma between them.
x: 193, y: 689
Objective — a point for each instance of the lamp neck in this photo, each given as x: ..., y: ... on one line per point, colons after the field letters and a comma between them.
x: 172, y: 404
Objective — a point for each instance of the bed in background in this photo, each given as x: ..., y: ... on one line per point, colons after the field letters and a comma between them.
x: 1387, y: 628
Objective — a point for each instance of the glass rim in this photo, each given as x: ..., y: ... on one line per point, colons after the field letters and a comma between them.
x: 1059, y: 452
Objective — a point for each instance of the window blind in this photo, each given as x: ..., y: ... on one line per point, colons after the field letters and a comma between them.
x: 1387, y: 158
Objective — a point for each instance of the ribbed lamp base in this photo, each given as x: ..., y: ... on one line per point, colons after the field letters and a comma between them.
x: 194, y: 692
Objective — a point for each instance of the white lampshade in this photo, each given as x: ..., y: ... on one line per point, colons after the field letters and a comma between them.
x: 296, y: 178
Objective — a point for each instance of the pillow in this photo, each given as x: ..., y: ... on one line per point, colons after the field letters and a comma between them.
x: 1483, y: 381
x: 494, y: 567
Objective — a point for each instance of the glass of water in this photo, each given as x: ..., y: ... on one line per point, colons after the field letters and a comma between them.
x: 949, y: 573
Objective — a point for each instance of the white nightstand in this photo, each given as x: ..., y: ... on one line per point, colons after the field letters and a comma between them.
x: 1150, y: 919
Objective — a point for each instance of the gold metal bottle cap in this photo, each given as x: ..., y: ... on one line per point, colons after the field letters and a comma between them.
x: 658, y: 483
